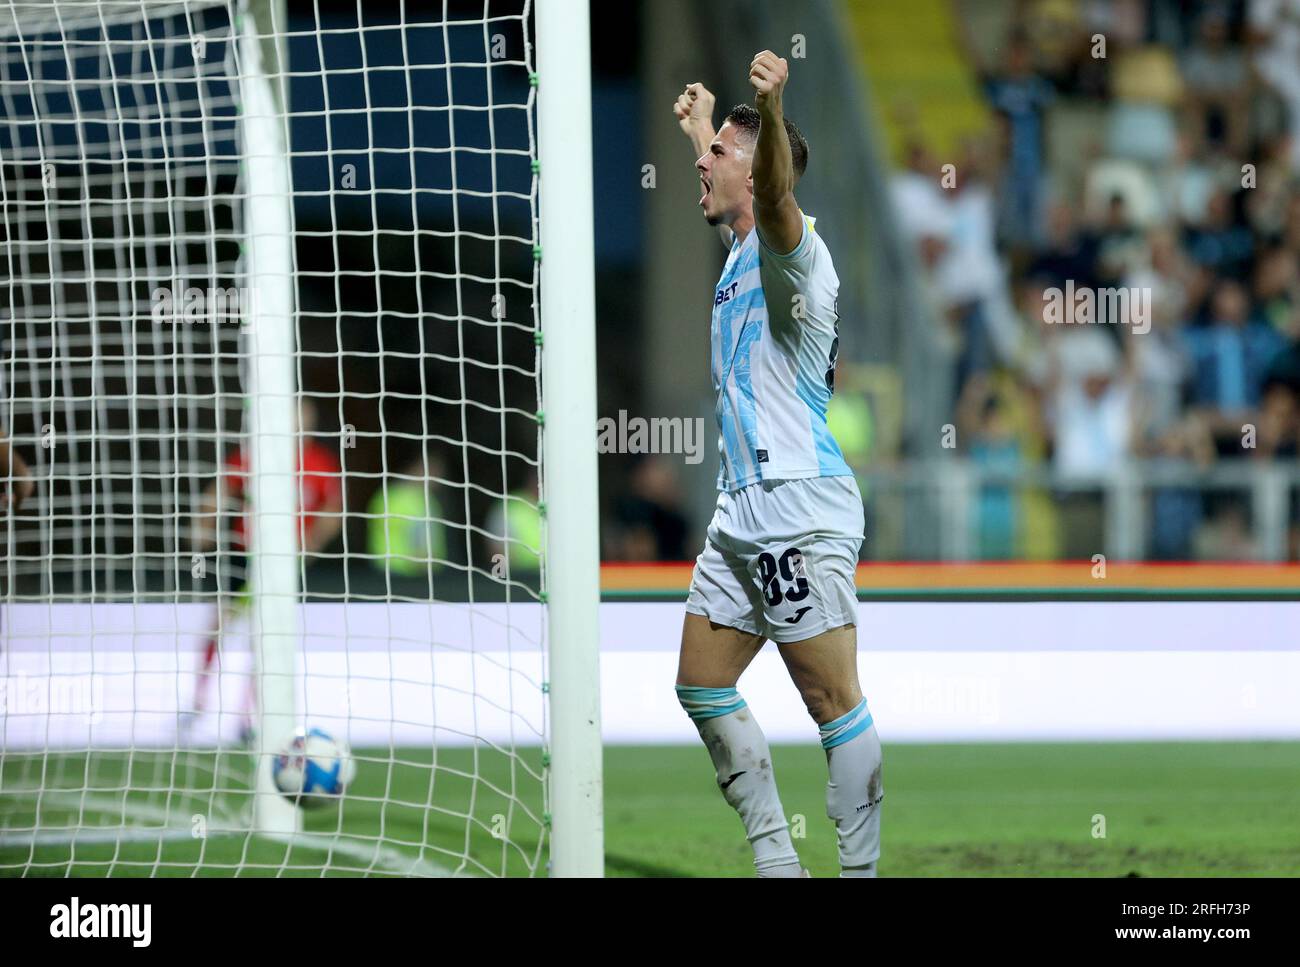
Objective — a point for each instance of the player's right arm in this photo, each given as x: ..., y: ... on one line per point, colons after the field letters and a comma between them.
x: 694, y: 112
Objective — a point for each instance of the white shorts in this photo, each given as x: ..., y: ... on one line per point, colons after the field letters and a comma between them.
x: 780, y: 558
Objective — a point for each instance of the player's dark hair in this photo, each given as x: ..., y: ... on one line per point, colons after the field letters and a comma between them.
x: 746, y: 117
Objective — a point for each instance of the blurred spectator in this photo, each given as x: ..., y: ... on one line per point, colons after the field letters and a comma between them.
x: 406, y: 531
x: 1275, y: 28
x: 649, y: 524
x: 1277, y: 291
x: 514, y: 527
x: 1091, y: 417
x: 970, y: 274
x: 1217, y: 77
x: 927, y: 222
x: 1159, y: 357
x: 1268, y: 203
x: 1068, y: 252
x: 1219, y: 241
x: 1021, y: 96
x: 1063, y: 48
x: 954, y: 226
x: 1229, y: 359
x: 1187, y: 183
x: 921, y: 205
x: 1091, y: 403
x: 1279, y: 422
x: 994, y: 447
x: 1119, y: 243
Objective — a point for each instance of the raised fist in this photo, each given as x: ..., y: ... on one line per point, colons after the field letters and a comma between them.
x: 694, y: 106
x: 768, y: 74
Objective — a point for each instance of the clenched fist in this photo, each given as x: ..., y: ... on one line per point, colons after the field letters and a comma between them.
x: 768, y: 74
x: 694, y: 108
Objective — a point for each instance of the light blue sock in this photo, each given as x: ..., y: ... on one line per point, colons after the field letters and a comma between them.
x: 743, y: 764
x: 854, y: 789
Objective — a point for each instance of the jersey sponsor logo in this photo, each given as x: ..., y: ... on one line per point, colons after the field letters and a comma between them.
x: 726, y: 293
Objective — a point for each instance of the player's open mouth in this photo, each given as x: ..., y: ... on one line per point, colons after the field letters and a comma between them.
x: 707, y: 188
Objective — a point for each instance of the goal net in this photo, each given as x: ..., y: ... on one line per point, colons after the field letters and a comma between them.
x: 271, y: 349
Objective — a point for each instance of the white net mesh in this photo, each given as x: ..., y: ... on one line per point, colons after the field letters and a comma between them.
x: 125, y: 295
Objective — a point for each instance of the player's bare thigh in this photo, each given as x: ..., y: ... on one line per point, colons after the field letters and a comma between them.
x: 714, y: 655
x: 825, y: 670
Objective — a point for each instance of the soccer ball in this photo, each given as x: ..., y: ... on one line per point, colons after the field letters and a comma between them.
x: 313, y: 768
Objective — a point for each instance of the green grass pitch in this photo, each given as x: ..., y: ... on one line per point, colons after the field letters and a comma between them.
x: 1170, y: 809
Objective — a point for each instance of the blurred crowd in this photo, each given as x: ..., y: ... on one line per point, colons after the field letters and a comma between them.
x: 1150, y: 147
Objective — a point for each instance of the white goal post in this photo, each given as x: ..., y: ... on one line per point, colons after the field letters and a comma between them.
x: 272, y: 390
x: 569, y: 384
x: 297, y: 340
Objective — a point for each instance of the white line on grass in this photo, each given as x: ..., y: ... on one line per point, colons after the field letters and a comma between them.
x: 166, y: 827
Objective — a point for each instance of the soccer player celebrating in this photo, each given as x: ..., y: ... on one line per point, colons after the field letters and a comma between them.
x: 782, y: 548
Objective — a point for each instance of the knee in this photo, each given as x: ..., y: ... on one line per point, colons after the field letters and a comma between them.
x: 827, y: 702
x: 702, y: 704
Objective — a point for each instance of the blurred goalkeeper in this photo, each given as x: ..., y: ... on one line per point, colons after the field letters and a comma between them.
x: 320, y: 518
x: 779, y: 559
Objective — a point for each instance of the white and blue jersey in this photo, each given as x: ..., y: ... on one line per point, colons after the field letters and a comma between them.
x: 775, y: 336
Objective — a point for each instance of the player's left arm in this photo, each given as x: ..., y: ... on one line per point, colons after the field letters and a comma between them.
x: 203, y: 535
x: 325, y: 525
x: 327, y: 518
x: 780, y: 223
x: 15, y: 477
x: 327, y: 515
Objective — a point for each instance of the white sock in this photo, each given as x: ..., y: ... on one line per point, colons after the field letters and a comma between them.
x: 743, y: 763
x: 854, y: 790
